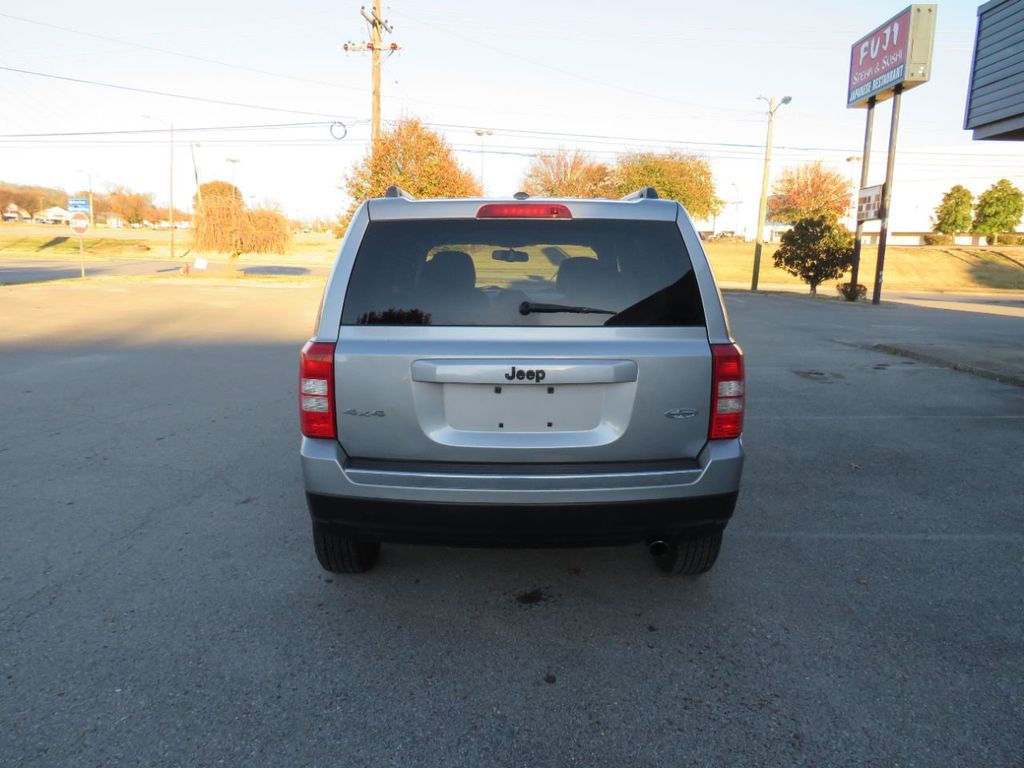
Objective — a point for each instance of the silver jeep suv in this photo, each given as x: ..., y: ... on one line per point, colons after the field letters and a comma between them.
x: 521, y: 372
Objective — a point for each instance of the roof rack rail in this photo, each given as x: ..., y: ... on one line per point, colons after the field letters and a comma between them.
x: 396, y: 191
x: 644, y: 193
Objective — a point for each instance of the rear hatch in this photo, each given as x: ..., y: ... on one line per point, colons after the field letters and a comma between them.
x: 530, y: 335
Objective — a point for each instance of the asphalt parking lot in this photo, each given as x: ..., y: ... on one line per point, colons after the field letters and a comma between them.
x: 160, y: 604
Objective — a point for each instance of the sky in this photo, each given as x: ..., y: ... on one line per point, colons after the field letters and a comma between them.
x: 604, y: 77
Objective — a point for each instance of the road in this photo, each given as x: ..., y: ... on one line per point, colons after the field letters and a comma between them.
x: 160, y: 604
x: 19, y: 271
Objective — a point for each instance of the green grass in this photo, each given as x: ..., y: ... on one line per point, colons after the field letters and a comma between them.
x: 918, y: 268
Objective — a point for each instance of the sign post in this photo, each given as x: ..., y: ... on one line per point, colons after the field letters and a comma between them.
x: 865, y: 162
x: 891, y: 59
x: 890, y: 163
x: 80, y: 225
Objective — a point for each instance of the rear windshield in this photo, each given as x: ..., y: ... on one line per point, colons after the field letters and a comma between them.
x: 582, y: 272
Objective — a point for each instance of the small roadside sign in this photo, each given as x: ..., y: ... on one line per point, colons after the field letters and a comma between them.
x: 78, y: 204
x: 869, y: 203
x: 79, y: 223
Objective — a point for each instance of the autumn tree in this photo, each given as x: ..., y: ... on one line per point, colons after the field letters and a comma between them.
x: 999, y: 209
x: 133, y: 207
x: 566, y: 174
x: 32, y: 198
x: 675, y: 175
x: 222, y: 223
x: 954, y: 212
x: 816, y: 250
x: 216, y: 189
x: 807, y: 192
x: 415, y: 158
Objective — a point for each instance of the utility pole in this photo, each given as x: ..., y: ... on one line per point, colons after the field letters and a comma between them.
x: 195, y: 172
x: 378, y: 26
x: 763, y: 204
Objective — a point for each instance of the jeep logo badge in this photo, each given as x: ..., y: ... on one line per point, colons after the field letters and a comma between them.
x: 531, y: 375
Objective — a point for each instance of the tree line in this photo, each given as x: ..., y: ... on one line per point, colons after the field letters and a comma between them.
x: 996, y: 213
x: 421, y: 162
x: 221, y: 221
x: 811, y: 198
x: 132, y: 207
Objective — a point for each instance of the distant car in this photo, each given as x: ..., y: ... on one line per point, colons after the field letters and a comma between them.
x: 538, y: 372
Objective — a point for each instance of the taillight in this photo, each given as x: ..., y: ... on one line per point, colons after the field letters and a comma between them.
x: 727, y: 386
x: 524, y: 211
x: 316, y: 389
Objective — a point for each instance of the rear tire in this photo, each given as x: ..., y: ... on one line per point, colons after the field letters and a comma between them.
x: 690, y: 556
x: 343, y: 554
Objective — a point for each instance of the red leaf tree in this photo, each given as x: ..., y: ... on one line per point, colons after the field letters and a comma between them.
x: 807, y: 192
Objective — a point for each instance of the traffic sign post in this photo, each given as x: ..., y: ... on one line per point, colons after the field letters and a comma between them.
x: 80, y: 225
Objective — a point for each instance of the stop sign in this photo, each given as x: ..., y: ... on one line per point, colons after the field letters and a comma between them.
x: 79, y: 223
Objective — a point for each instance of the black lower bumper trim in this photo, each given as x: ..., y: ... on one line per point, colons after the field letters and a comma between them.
x: 519, y: 524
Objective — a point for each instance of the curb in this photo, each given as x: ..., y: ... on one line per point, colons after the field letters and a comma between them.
x: 985, y: 373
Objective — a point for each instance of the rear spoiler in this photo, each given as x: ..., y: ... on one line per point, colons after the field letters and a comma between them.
x: 644, y: 193
x: 396, y: 191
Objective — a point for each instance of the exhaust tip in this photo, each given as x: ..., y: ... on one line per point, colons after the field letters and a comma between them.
x: 657, y: 547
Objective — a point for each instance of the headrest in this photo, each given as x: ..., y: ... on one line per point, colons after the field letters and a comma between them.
x: 450, y: 271
x: 584, y: 280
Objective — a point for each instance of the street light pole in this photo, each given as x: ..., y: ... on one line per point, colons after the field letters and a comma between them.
x: 92, y: 218
x: 234, y: 161
x: 170, y: 198
x: 736, y: 207
x: 481, y: 132
x: 763, y: 204
x: 852, y: 208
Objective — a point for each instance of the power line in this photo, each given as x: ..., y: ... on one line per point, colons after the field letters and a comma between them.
x: 179, y: 54
x: 167, y: 94
x: 159, y: 130
x: 570, y: 73
x: 527, y: 151
x: 599, y: 138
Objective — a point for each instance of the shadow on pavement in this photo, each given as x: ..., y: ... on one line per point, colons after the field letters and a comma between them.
x: 275, y: 270
x: 160, y: 591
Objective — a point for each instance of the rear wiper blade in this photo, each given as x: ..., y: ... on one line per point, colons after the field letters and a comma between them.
x: 529, y: 306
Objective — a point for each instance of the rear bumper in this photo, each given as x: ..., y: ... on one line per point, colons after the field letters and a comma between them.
x: 540, y: 504
x: 525, y: 525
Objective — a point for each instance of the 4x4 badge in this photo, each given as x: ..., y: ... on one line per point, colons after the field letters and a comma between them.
x: 354, y: 412
x: 681, y: 413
